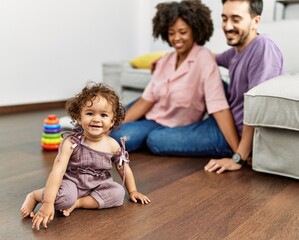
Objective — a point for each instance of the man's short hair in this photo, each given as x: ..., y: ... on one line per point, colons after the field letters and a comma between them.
x: 255, y: 6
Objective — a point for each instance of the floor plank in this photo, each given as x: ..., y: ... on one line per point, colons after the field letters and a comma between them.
x: 187, y: 202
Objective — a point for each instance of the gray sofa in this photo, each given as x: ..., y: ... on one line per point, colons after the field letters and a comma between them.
x: 127, y: 81
x: 272, y: 108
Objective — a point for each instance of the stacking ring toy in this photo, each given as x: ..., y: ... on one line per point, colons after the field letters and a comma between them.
x: 52, y: 133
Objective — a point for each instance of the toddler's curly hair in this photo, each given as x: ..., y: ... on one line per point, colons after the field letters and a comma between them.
x: 92, y: 90
x: 193, y: 12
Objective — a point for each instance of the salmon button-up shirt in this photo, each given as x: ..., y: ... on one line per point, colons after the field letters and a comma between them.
x: 182, y: 96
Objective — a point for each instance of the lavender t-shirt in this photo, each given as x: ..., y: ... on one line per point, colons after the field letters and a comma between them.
x: 258, y: 62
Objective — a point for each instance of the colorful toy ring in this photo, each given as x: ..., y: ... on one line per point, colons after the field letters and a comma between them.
x: 51, y: 140
x: 52, y: 130
x: 52, y: 135
x: 50, y: 146
x: 51, y: 121
x: 53, y: 126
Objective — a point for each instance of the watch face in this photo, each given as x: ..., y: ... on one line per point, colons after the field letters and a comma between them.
x: 236, y: 158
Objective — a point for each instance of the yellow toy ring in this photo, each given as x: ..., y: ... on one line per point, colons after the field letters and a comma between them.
x: 51, y: 140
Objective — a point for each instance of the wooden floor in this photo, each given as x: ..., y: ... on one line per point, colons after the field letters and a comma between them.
x: 187, y: 202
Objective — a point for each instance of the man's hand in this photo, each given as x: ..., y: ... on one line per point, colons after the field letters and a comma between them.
x: 222, y: 165
x: 153, y: 66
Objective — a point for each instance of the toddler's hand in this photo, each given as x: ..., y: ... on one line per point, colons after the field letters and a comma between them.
x: 137, y: 195
x: 43, y: 216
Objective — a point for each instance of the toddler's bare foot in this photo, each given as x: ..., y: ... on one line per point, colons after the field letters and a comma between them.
x: 67, y: 212
x: 28, y: 206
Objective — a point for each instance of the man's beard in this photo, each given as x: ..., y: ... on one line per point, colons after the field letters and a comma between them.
x: 242, y: 39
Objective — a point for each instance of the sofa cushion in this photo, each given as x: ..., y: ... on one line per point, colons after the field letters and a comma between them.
x: 274, y: 103
x: 145, y: 61
x: 134, y: 78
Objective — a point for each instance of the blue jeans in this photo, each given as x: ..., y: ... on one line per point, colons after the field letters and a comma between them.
x: 136, y: 133
x: 202, y: 138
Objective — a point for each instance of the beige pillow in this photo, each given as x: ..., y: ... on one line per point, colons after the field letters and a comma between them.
x: 145, y: 61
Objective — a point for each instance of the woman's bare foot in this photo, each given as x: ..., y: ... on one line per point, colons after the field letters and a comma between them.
x: 67, y: 212
x: 28, y: 206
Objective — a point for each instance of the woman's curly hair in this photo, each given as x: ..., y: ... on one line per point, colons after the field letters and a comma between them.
x: 92, y: 90
x: 193, y: 12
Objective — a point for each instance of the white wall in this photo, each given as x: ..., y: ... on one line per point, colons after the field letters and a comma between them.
x: 50, y: 48
x: 292, y: 11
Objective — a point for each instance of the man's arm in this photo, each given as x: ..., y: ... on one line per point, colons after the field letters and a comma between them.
x: 227, y: 126
x: 245, y: 146
x: 244, y: 149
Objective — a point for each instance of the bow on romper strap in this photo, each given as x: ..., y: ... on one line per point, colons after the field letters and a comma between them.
x: 124, y: 157
x: 75, y: 139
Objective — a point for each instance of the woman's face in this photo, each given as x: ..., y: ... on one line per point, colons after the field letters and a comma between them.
x: 180, y: 37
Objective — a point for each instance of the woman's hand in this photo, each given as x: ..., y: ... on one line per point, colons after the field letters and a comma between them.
x: 44, y: 215
x: 137, y: 195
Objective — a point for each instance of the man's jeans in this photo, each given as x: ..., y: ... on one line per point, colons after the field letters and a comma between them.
x: 202, y: 138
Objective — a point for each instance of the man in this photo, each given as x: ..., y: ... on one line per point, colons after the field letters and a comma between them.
x: 252, y: 60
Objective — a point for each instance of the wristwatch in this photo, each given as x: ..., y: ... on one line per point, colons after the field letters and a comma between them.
x: 237, y: 159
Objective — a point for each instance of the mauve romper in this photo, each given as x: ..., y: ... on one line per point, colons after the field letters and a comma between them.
x: 88, y: 174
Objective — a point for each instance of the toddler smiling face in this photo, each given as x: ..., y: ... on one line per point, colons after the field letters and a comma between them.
x: 96, y: 117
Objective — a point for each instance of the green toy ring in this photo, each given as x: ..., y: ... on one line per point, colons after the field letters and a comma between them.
x: 52, y: 135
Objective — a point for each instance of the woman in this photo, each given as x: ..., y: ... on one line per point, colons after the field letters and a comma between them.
x: 185, y: 83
